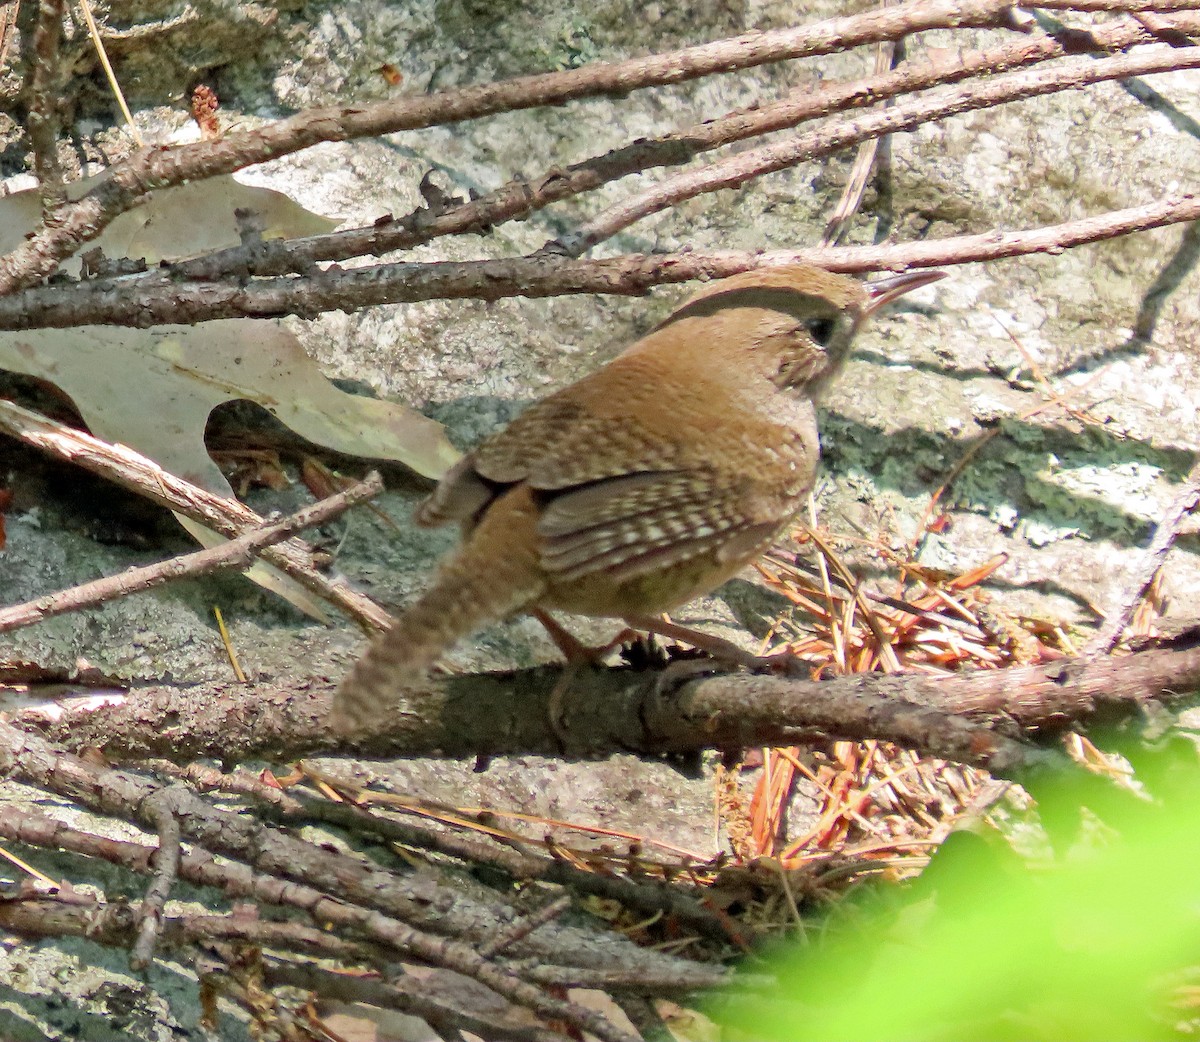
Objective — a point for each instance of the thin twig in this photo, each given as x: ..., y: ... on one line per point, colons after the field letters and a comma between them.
x: 25, y: 866
x: 130, y: 180
x: 524, y: 926
x: 120, y: 464
x: 43, y: 74
x: 236, y: 554
x: 110, y: 924
x: 1148, y: 567
x: 519, y: 198
x: 408, y: 996
x: 166, y: 870
x: 296, y: 808
x: 736, y: 170
x: 32, y: 759
x: 544, y: 275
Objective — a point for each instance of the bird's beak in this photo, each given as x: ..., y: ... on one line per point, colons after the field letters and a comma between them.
x: 886, y: 290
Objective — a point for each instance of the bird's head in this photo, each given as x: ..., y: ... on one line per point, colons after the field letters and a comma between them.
x: 795, y: 323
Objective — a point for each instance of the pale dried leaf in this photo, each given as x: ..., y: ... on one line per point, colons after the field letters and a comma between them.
x: 173, y: 223
x: 153, y: 390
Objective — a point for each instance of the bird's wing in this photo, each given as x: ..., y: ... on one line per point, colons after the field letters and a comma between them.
x: 638, y: 523
x: 554, y: 444
x: 628, y: 497
x: 557, y: 443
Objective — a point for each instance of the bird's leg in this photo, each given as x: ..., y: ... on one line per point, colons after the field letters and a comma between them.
x: 718, y: 647
x: 577, y: 655
x: 574, y: 650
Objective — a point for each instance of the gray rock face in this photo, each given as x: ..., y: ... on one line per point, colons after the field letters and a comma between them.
x: 1081, y: 369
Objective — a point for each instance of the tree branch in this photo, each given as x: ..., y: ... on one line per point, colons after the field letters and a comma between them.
x: 230, y: 518
x: 1149, y: 565
x: 42, y: 56
x: 237, y: 554
x: 365, y: 888
x: 128, y: 182
x: 1069, y: 74
x: 542, y: 275
x: 518, y: 199
x: 979, y: 718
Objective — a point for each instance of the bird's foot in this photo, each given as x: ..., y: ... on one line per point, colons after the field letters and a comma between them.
x: 555, y: 710
x: 577, y: 655
x: 724, y: 651
x: 572, y: 648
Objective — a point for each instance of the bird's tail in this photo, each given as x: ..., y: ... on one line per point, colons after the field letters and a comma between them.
x: 493, y: 574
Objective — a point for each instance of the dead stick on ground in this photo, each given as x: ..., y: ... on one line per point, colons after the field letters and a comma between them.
x: 123, y: 466
x: 1156, y: 553
x: 237, y: 553
x: 26, y: 757
x: 522, y: 928
x: 166, y: 870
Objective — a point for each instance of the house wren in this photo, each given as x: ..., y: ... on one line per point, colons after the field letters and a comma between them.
x: 645, y: 484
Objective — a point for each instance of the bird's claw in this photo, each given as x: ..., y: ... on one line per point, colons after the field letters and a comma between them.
x: 679, y: 671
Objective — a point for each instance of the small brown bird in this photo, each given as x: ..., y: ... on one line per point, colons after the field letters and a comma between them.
x: 643, y: 485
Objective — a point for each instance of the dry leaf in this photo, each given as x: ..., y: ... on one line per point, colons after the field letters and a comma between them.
x: 165, y: 226
x: 153, y: 389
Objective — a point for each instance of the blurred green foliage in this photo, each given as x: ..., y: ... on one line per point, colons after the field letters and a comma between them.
x: 1095, y: 940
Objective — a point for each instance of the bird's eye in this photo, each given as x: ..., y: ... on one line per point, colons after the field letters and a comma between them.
x: 821, y: 330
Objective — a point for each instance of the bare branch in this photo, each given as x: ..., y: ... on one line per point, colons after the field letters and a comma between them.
x: 649, y: 896
x: 43, y: 74
x: 978, y: 718
x: 543, y: 275
x: 518, y: 199
x: 166, y: 869
x: 523, y: 927
x: 130, y: 180
x: 1068, y: 74
x: 237, y: 554
x: 1096, y: 6
x: 130, y: 470
x: 30, y: 758
x: 111, y: 925
x: 409, y: 997
x: 1151, y: 562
